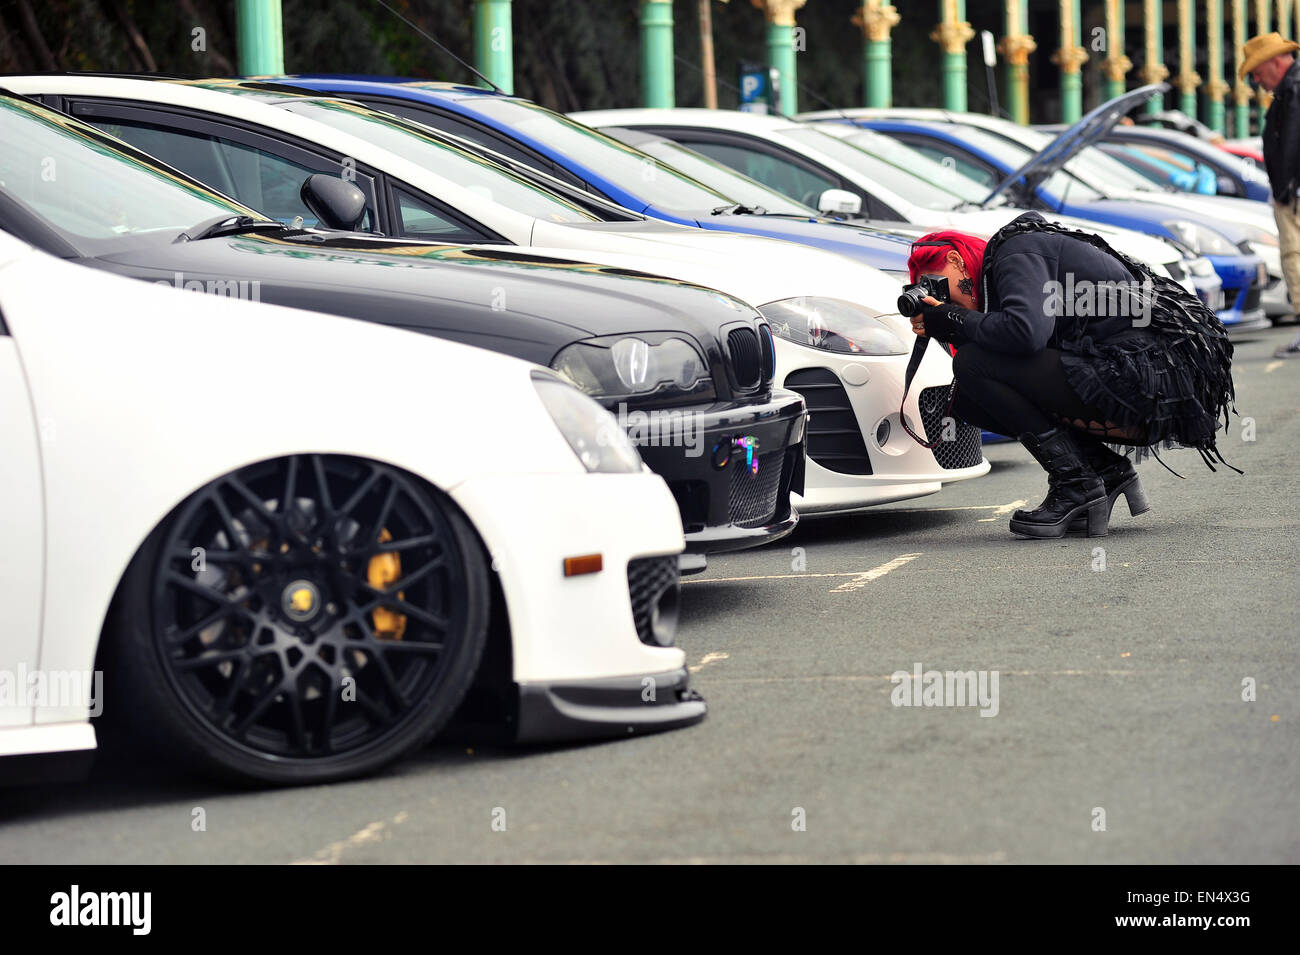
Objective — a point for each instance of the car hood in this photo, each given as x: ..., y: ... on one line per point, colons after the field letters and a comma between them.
x: 866, y: 246
x: 1088, y: 130
x: 754, y: 269
x: 1219, y: 208
x: 502, y: 298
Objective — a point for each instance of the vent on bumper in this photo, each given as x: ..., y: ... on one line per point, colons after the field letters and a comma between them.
x: 834, y: 438
x: 754, y: 497
x: 654, y: 588
x: 746, y: 357
x: 963, y: 451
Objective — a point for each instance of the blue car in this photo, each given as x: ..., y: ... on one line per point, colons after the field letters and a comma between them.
x: 553, y: 144
x: 1043, y: 184
x: 1160, y: 172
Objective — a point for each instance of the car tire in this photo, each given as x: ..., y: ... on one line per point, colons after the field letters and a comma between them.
x: 241, y: 620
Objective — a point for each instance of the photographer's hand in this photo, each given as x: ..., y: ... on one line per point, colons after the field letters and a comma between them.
x: 942, y: 321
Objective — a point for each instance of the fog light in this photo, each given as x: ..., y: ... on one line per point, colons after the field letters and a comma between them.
x: 882, y: 432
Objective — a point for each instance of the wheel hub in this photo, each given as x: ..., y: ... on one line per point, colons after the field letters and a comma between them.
x: 301, y: 601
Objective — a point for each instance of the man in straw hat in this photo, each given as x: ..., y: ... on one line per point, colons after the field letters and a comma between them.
x: 1269, y: 60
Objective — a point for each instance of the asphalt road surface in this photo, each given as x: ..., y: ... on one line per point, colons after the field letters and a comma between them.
x: 1120, y: 735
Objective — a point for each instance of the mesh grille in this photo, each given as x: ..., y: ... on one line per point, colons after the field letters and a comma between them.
x: 648, y: 578
x: 963, y: 451
x: 754, y: 496
x: 746, y: 356
x: 768, y: 351
x: 834, y: 438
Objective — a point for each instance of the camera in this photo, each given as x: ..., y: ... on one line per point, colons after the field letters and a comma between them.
x: 934, y: 286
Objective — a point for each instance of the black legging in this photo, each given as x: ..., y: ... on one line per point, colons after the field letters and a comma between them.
x: 1013, y: 394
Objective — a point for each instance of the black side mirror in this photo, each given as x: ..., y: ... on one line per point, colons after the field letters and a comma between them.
x: 336, y: 203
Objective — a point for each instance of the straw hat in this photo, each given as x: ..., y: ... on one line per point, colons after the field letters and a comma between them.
x: 1262, y: 48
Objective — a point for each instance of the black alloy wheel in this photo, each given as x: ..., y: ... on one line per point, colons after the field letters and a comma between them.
x: 303, y: 619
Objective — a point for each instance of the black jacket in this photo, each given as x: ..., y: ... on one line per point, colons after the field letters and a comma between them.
x: 1041, y: 289
x: 1282, y: 138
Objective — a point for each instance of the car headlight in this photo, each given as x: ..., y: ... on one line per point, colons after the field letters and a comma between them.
x: 1258, y: 235
x: 625, y: 366
x: 1201, y: 267
x: 593, y: 433
x: 1201, y: 239
x: 834, y: 325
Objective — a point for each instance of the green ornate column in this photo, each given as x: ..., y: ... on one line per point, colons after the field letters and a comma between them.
x: 1262, y: 19
x: 657, y: 54
x: 1154, y: 70
x: 1215, y: 88
x: 1070, y: 57
x: 876, y: 20
x: 1240, y: 91
x: 1015, y: 47
x: 780, y: 48
x: 1188, y: 79
x: 260, y: 37
x: 1116, y: 65
x: 952, y: 34
x: 494, y: 49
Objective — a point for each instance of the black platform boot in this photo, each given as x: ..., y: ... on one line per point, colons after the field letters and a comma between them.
x: 1074, y: 489
x: 1117, y: 473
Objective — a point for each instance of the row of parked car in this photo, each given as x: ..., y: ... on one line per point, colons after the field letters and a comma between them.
x: 298, y: 540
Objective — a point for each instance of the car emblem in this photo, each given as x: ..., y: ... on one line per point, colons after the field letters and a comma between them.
x: 300, y: 600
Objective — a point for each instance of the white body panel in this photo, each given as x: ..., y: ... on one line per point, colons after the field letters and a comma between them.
x: 141, y: 402
x: 754, y: 269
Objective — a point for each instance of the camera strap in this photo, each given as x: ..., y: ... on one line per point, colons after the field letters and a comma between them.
x: 913, y: 363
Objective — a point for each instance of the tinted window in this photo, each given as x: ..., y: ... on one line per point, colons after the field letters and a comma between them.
x: 786, y: 177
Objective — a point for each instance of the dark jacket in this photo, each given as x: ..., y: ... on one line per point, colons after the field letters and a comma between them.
x: 1282, y: 138
x: 1040, y: 289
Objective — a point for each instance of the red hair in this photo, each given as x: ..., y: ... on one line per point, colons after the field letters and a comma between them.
x: 930, y: 253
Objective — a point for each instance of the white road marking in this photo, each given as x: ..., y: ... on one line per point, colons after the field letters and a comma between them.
x: 1002, y: 510
x: 332, y: 854
x: 861, y: 580
x: 1272, y: 366
x: 707, y: 659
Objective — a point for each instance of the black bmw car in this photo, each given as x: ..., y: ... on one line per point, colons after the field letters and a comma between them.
x: 687, y: 370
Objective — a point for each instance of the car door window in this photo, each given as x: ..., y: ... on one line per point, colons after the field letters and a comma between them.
x: 257, y: 177
x: 784, y: 176
x: 979, y: 172
x: 419, y: 219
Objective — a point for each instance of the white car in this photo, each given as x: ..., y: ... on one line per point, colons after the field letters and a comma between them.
x: 891, y: 193
x: 281, y: 584
x: 838, y: 345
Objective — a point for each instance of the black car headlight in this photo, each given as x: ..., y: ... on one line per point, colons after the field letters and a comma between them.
x: 628, y: 366
x: 834, y: 325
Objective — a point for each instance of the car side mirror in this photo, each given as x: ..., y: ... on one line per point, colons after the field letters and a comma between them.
x: 338, y: 204
x: 839, y: 202
x: 1226, y: 187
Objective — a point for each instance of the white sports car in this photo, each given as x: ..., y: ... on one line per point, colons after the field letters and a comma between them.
x: 281, y: 584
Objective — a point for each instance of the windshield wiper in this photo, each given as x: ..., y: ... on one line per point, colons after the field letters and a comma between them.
x: 228, y: 225
x: 738, y: 209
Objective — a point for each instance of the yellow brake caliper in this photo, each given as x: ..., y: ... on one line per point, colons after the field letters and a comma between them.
x: 383, y: 570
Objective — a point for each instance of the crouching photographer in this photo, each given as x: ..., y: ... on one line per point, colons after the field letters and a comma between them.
x: 1072, y: 348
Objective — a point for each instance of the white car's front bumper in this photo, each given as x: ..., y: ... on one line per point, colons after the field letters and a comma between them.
x: 579, y: 666
x: 881, y: 462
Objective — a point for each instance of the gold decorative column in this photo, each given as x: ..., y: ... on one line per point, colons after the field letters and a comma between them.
x: 952, y: 34
x: 1070, y: 57
x: 780, y: 48
x: 1116, y: 65
x: 1154, y: 70
x: 1015, y: 48
x: 876, y: 20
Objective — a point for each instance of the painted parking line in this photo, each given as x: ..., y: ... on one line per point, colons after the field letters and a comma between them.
x: 861, y: 580
x: 1002, y: 510
x: 867, y: 575
x: 707, y: 659
x: 1272, y: 366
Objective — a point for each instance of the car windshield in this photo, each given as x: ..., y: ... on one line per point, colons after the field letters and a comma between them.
x: 905, y: 157
x: 411, y: 142
x: 1013, y: 154
x: 1089, y: 165
x: 904, y: 184
x: 643, y: 176
x: 90, y: 187
x: 737, y: 187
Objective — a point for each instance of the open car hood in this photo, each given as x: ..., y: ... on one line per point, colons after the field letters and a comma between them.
x: 1088, y: 130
